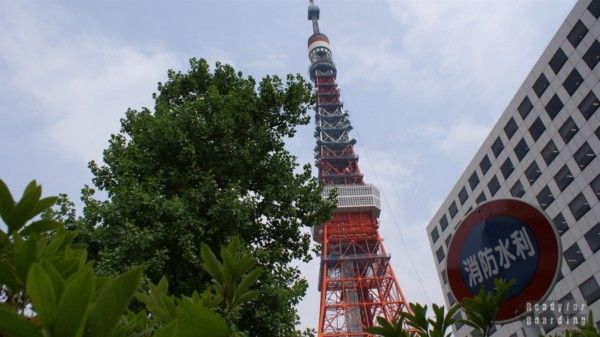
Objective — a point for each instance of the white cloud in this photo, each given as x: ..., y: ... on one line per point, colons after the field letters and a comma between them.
x: 458, y: 141
x: 270, y: 61
x: 80, y: 82
x: 448, y: 57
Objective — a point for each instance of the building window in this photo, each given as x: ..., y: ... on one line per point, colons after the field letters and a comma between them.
x: 457, y: 318
x: 568, y: 130
x: 572, y: 82
x: 579, y: 206
x: 481, y: 198
x: 545, y: 197
x: 451, y: 299
x: 595, y: 185
x: 594, y: 8
x: 549, y: 152
x: 593, y: 238
x: 567, y: 301
x: 537, y: 128
x: 525, y: 107
x: 548, y: 319
x: 462, y: 196
x: 558, y: 60
x: 435, y: 235
x: 577, y: 33
x: 493, y: 186
x: 597, y: 132
x: 507, y: 168
x: 440, y: 254
x: 452, y: 209
x: 592, y: 56
x: 443, y: 222
x: 473, y: 181
x: 510, y: 128
x: 517, y: 190
x: 573, y: 256
x: 521, y: 149
x: 584, y: 156
x: 560, y: 224
x: 444, y: 277
x: 540, y: 85
x: 497, y: 147
x: 590, y: 290
x: 589, y: 105
x: 554, y: 106
x: 563, y: 178
x: 485, y: 164
x: 448, y: 239
x: 532, y: 173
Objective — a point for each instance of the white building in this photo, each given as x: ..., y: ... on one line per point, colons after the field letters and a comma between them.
x: 544, y: 149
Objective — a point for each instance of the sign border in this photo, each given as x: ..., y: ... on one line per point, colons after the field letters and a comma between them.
x: 544, y: 278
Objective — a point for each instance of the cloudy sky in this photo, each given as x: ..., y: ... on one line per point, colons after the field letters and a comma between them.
x: 424, y: 82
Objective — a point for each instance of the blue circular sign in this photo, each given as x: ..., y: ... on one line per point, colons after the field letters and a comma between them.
x: 502, y: 247
x: 505, y: 239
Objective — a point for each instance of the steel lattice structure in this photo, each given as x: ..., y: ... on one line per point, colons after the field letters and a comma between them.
x: 356, y: 281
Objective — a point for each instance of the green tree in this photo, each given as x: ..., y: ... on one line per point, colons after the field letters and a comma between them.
x: 207, y: 164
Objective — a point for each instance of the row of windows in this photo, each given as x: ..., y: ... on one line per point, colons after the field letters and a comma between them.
x: 588, y: 106
x: 563, y: 178
x: 579, y: 206
x: 571, y: 83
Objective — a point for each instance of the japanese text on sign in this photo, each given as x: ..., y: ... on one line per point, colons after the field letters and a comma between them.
x: 485, y: 263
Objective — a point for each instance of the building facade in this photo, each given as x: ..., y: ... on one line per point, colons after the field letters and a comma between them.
x: 545, y: 150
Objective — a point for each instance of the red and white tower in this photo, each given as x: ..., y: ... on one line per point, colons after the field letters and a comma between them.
x: 356, y: 281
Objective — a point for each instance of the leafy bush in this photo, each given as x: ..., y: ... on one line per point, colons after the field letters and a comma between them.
x: 481, y: 311
x: 48, y: 287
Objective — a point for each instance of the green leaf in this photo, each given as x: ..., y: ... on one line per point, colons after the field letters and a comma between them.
x: 43, y: 296
x: 25, y: 254
x: 211, y: 263
x: 158, y: 302
x: 201, y: 322
x: 73, y: 305
x: 5, y: 244
x: 170, y: 330
x: 6, y: 203
x: 8, y: 276
x: 23, y: 210
x: 60, y: 242
x: 247, y: 296
x: 43, y: 205
x: 58, y: 282
x: 40, y: 226
x: 13, y: 324
x: 112, y: 302
x: 248, y: 280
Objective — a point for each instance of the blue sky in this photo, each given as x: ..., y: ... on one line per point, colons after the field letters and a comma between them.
x: 424, y: 82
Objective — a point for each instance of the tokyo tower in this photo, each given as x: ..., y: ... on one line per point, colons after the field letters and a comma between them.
x: 356, y: 281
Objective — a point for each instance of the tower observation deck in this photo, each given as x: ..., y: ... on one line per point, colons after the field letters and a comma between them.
x: 356, y: 281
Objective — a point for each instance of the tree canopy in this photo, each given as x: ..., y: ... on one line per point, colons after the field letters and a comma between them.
x: 209, y: 163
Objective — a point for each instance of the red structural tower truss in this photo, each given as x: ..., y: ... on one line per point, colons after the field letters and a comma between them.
x: 356, y: 281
